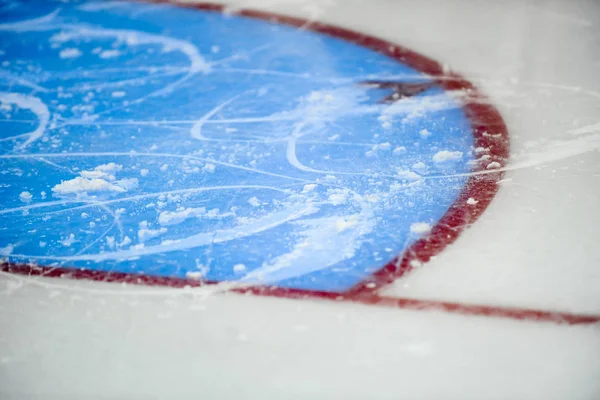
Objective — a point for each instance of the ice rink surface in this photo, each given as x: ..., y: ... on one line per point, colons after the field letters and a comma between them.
x: 250, y: 153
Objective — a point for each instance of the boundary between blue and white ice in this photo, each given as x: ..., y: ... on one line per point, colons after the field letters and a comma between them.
x: 164, y: 141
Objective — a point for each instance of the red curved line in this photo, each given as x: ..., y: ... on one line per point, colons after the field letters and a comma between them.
x: 514, y: 313
x: 489, y: 131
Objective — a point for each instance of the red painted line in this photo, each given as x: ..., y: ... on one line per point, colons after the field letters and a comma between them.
x: 368, y: 298
x: 514, y: 313
x: 489, y: 132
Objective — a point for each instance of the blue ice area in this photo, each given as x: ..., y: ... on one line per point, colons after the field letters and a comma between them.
x: 165, y: 141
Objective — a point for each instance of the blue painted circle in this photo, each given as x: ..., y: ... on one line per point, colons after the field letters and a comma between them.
x: 164, y: 141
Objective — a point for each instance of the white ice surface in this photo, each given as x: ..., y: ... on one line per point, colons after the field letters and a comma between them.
x: 536, y: 246
x: 109, y: 341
